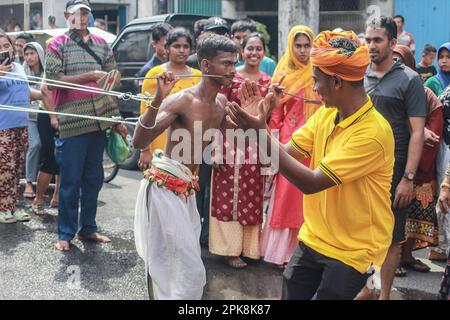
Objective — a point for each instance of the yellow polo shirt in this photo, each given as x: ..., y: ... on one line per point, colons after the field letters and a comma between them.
x: 351, y: 222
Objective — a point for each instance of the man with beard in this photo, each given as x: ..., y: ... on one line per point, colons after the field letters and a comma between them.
x: 398, y: 94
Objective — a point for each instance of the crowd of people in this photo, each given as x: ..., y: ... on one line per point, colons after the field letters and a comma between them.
x: 360, y: 129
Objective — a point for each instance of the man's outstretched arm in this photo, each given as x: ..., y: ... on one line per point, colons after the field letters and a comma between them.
x: 159, y: 115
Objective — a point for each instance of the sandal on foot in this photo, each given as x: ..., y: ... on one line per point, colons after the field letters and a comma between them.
x: 7, y: 217
x: 416, y: 265
x: 21, y: 215
x: 39, y: 209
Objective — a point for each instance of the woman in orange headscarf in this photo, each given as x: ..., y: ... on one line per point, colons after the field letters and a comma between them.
x: 279, y: 238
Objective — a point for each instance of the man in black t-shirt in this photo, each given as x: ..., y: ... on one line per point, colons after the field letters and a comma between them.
x: 425, y: 67
x: 398, y: 94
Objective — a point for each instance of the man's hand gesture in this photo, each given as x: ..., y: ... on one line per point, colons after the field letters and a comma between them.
x: 165, y: 83
x: 254, y: 108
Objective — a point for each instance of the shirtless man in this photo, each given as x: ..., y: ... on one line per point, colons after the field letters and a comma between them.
x: 167, y: 224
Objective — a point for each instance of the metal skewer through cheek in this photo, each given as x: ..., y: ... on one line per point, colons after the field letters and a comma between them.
x: 311, y: 101
x: 177, y: 76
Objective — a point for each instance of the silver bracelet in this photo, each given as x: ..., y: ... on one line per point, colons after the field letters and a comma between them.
x: 144, y: 126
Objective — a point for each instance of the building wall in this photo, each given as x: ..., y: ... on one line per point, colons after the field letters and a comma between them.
x: 12, y: 11
x: 130, y: 5
x: 146, y: 8
x: 206, y: 7
x: 352, y: 14
x: 427, y: 21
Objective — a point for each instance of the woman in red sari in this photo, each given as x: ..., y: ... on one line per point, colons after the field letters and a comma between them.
x: 285, y: 214
x: 237, y: 189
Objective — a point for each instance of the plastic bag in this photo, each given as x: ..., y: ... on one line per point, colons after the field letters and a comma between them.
x: 116, y: 147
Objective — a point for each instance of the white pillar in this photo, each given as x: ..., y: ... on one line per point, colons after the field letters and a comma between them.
x: 294, y: 12
x: 229, y: 9
x: 146, y: 8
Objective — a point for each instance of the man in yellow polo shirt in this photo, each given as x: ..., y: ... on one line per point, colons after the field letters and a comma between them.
x: 347, y: 209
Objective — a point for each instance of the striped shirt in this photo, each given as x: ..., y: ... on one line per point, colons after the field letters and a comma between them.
x: 66, y: 58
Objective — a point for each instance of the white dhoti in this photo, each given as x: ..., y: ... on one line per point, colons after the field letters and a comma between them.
x: 167, y: 232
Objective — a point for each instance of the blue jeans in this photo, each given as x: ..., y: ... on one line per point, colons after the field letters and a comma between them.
x: 80, y: 161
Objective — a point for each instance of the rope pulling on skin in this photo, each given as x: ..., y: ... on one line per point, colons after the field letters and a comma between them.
x: 146, y: 98
x: 66, y: 85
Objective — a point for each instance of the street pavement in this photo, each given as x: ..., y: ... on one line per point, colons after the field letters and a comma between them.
x: 31, y: 268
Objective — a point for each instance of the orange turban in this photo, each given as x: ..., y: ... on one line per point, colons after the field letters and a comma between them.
x: 336, y: 56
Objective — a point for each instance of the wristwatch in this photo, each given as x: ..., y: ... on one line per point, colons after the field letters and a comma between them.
x: 409, y: 176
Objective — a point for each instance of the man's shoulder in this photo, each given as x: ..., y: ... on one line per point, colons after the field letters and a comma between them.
x: 58, y: 40
x: 378, y: 130
x: 98, y: 39
x: 322, y: 117
x: 401, y: 75
x: 384, y: 128
x: 409, y: 34
x: 381, y: 122
x: 182, y: 98
x: 410, y: 72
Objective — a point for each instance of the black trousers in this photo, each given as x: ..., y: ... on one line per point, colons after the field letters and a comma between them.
x: 47, y: 154
x: 310, y: 274
x: 203, y: 199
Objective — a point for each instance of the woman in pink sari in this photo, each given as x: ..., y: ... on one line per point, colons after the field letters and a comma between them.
x: 285, y: 214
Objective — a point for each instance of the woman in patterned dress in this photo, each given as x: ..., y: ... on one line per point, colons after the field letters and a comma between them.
x: 237, y: 188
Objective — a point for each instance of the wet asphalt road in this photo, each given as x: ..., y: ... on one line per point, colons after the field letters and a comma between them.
x: 30, y: 267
